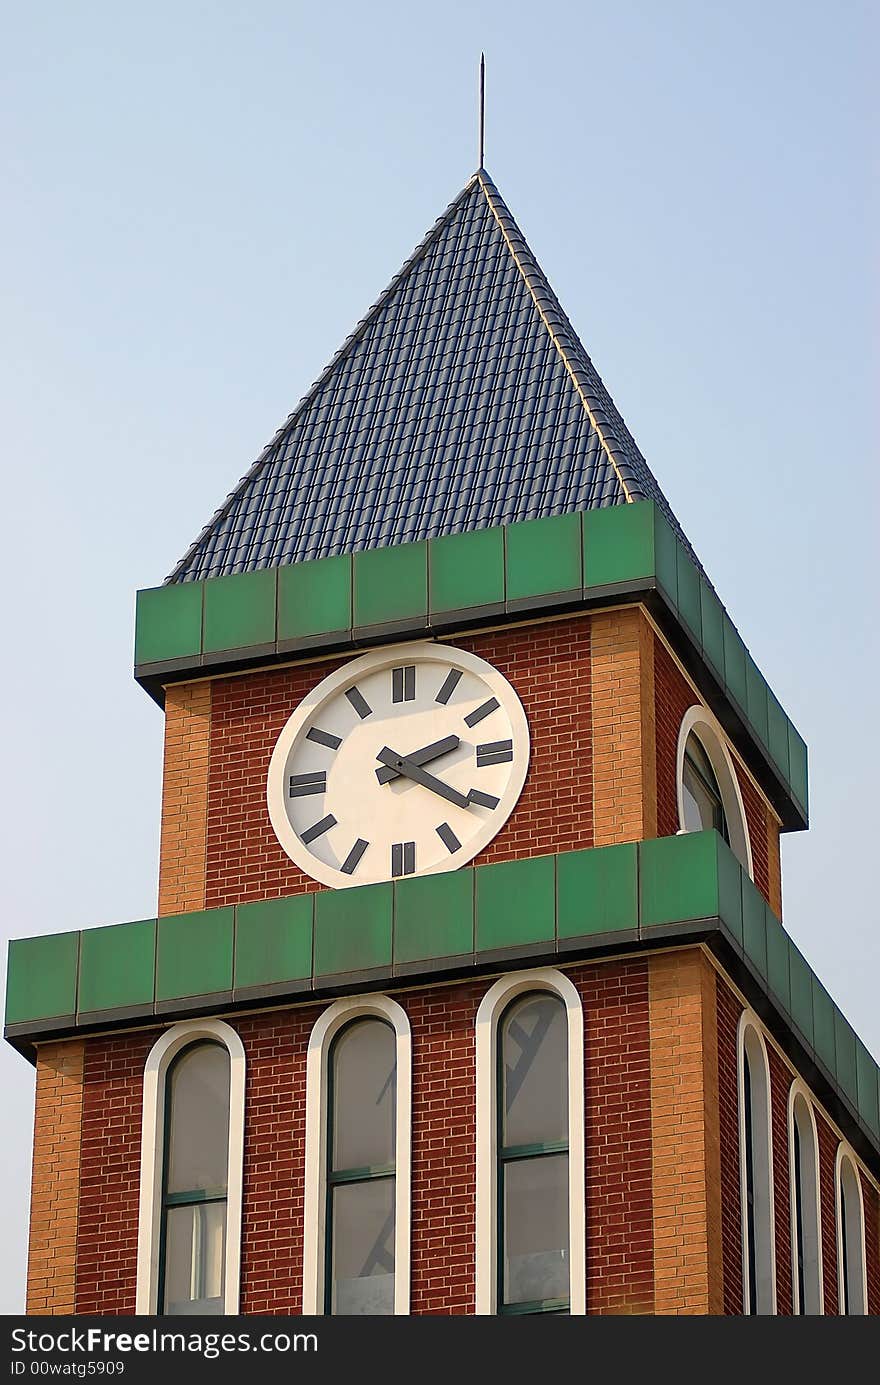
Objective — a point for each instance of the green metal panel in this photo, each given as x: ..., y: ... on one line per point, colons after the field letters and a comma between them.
x: 868, y: 1088
x: 314, y: 598
x: 730, y: 878
x: 544, y: 556
x: 273, y: 941
x: 777, y: 726
x: 678, y: 878
x: 801, y: 983
x: 688, y: 594
x: 666, y: 558
x: 778, y: 978
x: 466, y: 569
x: 618, y: 544
x: 845, y: 1051
x: 117, y: 966
x: 168, y: 623
x: 797, y: 763
x: 735, y: 664
x: 597, y: 891
x: 756, y: 694
x: 823, y: 1026
x: 41, y: 977
x: 240, y: 610
x: 712, y: 629
x: 391, y: 584
x: 194, y: 953
x: 353, y: 929
x: 754, y: 926
x: 434, y: 916
x: 516, y: 903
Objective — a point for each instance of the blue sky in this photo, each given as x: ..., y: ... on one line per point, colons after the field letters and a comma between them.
x: 200, y: 202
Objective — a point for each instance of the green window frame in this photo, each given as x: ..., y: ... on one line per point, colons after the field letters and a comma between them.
x: 510, y: 1156
x: 199, y: 1199
x: 350, y: 1177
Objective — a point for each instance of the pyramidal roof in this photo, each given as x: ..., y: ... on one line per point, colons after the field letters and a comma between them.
x: 464, y: 399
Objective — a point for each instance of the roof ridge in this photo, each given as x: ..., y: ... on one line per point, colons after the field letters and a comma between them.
x: 539, y: 291
x: 266, y: 454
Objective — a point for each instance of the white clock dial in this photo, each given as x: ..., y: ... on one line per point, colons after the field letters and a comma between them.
x: 406, y: 761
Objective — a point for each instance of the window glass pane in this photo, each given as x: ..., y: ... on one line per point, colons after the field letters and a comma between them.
x: 536, y: 1229
x: 195, y: 1240
x: 702, y: 797
x: 364, y: 1096
x: 198, y: 1114
x: 362, y: 1277
x: 535, y: 1066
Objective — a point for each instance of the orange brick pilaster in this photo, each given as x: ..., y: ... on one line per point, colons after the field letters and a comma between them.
x: 774, y: 865
x: 55, y: 1179
x: 183, y: 845
x: 685, y: 1133
x: 624, y: 759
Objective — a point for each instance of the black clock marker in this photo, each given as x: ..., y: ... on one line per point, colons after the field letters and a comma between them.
x: 451, y: 682
x: 318, y: 830
x: 403, y: 858
x: 481, y: 712
x: 324, y: 738
x: 494, y: 753
x: 484, y: 800
x: 350, y: 864
x: 448, y: 837
x: 301, y: 784
x: 403, y: 683
x: 359, y: 702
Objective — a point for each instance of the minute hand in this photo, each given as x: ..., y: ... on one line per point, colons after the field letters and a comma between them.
x: 421, y: 776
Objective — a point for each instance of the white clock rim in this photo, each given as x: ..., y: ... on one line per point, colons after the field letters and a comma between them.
x: 374, y: 661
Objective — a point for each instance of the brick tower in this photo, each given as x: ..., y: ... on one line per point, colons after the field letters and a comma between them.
x: 468, y: 990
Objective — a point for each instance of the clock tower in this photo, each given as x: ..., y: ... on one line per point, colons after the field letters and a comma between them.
x: 467, y: 990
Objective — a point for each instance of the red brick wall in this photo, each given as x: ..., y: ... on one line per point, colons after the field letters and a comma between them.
x: 872, y: 1243
x: 781, y: 1078
x: 780, y: 1083
x: 618, y: 1141
x: 729, y: 1011
x: 106, y: 1261
x: 548, y: 665
x: 673, y: 698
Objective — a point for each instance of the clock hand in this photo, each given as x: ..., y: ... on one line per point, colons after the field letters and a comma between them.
x: 420, y: 757
x: 403, y: 765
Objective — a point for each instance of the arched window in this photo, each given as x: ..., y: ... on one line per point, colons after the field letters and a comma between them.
x: 806, y: 1232
x: 756, y: 1170
x: 708, y: 789
x: 191, y: 1172
x: 357, y: 1194
x: 850, y: 1215
x: 530, y: 1146
x: 703, y: 806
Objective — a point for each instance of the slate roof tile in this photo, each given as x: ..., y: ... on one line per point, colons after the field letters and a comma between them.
x: 463, y: 399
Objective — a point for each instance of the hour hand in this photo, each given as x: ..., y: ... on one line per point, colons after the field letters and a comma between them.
x: 402, y: 764
x: 420, y: 757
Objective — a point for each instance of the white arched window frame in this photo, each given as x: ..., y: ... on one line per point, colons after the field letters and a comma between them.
x: 492, y: 1007
x: 804, y: 1189
x: 161, y: 1056
x: 328, y: 1025
x: 849, y: 1221
x: 756, y: 1157
x: 700, y: 722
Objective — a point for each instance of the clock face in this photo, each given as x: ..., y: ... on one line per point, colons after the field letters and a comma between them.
x: 406, y: 761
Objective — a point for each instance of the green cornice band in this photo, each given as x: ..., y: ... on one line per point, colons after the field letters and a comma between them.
x: 566, y: 562
x: 541, y: 909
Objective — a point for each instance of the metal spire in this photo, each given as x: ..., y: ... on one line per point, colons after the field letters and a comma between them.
x: 482, y: 108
